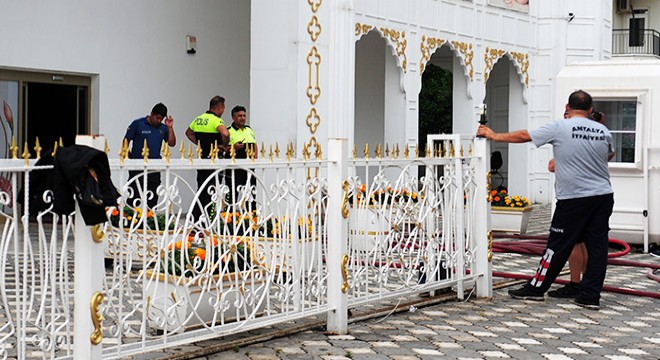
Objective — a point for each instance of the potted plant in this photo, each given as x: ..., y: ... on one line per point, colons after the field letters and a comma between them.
x: 205, y: 280
x: 370, y: 213
x: 128, y: 233
x: 509, y: 213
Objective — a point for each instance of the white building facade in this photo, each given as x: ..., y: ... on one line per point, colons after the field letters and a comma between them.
x: 291, y: 62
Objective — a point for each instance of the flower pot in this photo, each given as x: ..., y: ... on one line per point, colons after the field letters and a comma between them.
x: 177, y: 303
x: 510, y: 219
x: 368, y: 227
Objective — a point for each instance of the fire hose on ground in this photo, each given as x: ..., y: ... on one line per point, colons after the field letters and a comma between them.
x: 535, y: 244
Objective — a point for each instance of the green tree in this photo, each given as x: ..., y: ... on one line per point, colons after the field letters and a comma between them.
x: 435, y: 103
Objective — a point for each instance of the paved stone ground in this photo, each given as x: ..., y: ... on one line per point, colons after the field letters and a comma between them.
x: 626, y: 326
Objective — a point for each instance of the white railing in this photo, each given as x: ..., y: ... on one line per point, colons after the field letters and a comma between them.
x: 252, y: 256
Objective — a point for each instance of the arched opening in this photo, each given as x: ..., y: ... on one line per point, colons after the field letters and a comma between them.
x: 507, y: 111
x: 379, y: 98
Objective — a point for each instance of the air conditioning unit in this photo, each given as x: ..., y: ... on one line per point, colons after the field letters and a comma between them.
x: 623, y: 6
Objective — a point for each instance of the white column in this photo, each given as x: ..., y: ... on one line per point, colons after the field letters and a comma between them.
x: 482, y: 219
x: 337, y: 235
x: 88, y: 276
x: 341, y: 63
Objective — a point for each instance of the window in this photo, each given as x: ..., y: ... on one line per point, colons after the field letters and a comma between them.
x: 621, y: 119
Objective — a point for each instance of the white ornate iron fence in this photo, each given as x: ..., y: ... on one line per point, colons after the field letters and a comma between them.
x: 259, y: 242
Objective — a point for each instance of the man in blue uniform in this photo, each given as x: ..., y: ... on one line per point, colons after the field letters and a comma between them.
x: 155, y: 131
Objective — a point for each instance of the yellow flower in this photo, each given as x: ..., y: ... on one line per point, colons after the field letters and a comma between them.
x: 201, y: 253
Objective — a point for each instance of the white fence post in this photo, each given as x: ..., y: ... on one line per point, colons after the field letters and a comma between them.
x: 336, y: 257
x: 481, y: 229
x: 88, y: 278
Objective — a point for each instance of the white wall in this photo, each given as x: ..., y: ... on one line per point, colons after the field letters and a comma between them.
x: 135, y: 53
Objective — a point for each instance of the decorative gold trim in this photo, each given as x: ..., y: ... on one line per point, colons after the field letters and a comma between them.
x: 97, y: 317
x: 344, y: 274
x: 522, y: 59
x: 314, y: 28
x: 428, y: 45
x: 313, y: 61
x: 467, y: 53
x: 97, y: 233
x: 512, y: 209
x: 313, y: 115
x: 26, y: 154
x: 344, y: 200
x: 489, y: 196
x: 399, y: 39
x: 37, y: 148
x: 14, y: 148
x: 315, y: 4
x: 490, y: 246
x: 490, y: 57
x: 362, y: 29
x: 145, y: 151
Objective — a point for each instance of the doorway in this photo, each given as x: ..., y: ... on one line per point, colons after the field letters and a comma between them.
x: 53, y: 112
x: 46, y: 106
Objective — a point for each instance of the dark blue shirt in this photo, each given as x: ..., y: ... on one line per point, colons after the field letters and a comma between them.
x: 139, y: 130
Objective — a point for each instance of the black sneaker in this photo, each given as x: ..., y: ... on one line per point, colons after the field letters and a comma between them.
x: 655, y: 251
x: 587, y: 304
x: 524, y: 293
x: 568, y: 291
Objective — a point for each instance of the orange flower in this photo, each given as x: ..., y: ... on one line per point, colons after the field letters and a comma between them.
x: 496, y: 198
x: 115, y: 212
x: 201, y: 253
x: 150, y: 214
x: 493, y: 192
x: 214, y: 241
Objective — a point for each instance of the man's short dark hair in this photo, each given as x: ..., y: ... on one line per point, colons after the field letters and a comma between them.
x: 217, y: 100
x: 236, y: 109
x: 160, y: 109
x: 580, y: 100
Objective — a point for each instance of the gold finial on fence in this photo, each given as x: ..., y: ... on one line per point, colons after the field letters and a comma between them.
x: 354, y: 151
x: 167, y: 153
x: 212, y: 154
x: 26, y: 154
x: 416, y: 151
x: 387, y: 150
x: 427, y: 152
x: 190, y: 154
x: 123, y: 151
x: 199, y: 149
x: 163, y: 145
x: 55, y: 151
x: 461, y: 150
x: 61, y: 143
x: 451, y: 150
x: 319, y: 155
x: 13, y: 148
x: 263, y: 151
x: 366, y: 151
x: 379, y: 152
x: 406, y: 152
x: 106, y: 148
x: 277, y: 150
x: 287, y: 153
x: 182, y: 150
x: 437, y: 150
x: 232, y: 153
x: 37, y: 148
x: 145, y: 151
x: 470, y: 151
x: 270, y: 153
x: 397, y: 152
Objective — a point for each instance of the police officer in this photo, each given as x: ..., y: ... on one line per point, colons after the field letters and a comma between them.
x: 207, y: 129
x: 241, y: 137
x: 152, y: 129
